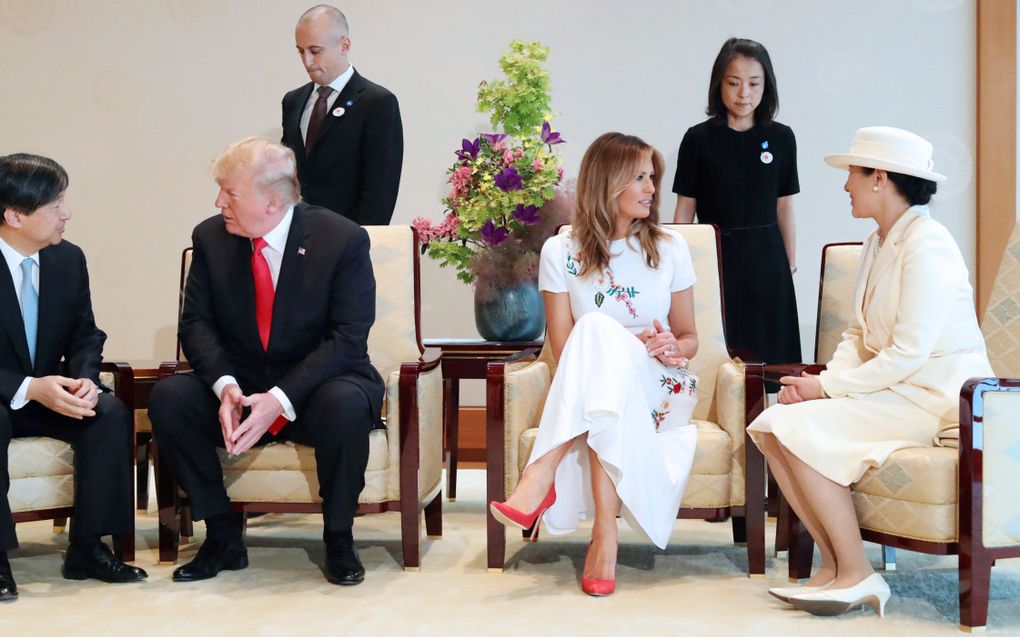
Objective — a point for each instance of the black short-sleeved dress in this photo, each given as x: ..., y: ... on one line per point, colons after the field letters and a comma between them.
x: 736, y: 178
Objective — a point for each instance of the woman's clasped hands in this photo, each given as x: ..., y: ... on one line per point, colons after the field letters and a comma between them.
x: 662, y: 344
x: 797, y: 389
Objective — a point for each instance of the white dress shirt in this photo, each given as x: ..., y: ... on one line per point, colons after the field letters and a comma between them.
x: 276, y: 243
x: 14, y: 259
x: 337, y: 85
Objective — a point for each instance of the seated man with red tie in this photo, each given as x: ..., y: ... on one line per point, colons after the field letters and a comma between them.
x: 278, y: 304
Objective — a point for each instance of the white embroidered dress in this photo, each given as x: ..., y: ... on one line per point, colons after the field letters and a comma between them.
x: 607, y: 386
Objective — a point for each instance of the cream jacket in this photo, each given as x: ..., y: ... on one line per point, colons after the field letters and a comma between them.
x: 915, y: 331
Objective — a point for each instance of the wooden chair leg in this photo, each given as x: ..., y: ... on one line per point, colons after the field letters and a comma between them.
x: 59, y: 525
x: 434, y: 517
x: 774, y: 496
x: 410, y: 534
x: 188, y: 526
x: 739, y: 529
x: 124, y: 546
x: 167, y: 507
x: 782, y: 525
x: 801, y: 549
x: 975, y: 579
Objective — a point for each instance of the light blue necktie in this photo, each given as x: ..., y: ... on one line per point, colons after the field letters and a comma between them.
x: 29, y: 306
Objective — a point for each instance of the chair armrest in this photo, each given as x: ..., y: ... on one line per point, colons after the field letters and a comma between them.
x: 774, y: 372
x: 123, y: 382
x: 989, y: 464
x: 169, y: 368
x: 419, y: 421
x: 515, y: 391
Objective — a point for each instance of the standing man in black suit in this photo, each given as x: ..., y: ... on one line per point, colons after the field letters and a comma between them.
x: 277, y: 308
x: 50, y: 350
x: 345, y: 131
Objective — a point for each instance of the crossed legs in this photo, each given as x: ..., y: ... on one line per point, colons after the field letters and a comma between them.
x: 535, y: 483
x: 827, y: 511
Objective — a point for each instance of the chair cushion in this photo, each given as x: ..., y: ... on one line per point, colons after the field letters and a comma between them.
x: 285, y: 472
x: 42, y: 474
x: 913, y: 494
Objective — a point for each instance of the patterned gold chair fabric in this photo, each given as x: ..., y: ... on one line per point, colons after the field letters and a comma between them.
x: 281, y: 476
x: 957, y: 496
x: 42, y: 469
x: 716, y: 489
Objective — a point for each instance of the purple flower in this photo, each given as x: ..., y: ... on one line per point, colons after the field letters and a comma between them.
x: 528, y: 215
x: 509, y: 180
x: 469, y: 149
x: 492, y: 235
x: 493, y: 138
x: 550, y: 137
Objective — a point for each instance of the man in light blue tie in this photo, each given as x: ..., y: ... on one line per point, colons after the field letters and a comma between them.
x: 50, y: 350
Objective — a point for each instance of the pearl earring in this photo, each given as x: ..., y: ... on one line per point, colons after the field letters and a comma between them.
x: 874, y: 189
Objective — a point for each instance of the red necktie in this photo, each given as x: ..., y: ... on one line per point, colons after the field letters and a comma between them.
x: 317, y: 117
x: 264, y: 297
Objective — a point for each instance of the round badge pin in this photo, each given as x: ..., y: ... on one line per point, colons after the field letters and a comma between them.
x: 338, y: 111
x: 766, y: 157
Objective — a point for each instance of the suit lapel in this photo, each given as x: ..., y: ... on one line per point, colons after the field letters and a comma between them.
x: 51, y: 291
x: 350, y: 94
x: 863, y: 279
x: 288, y: 285
x: 294, y: 118
x: 11, y: 319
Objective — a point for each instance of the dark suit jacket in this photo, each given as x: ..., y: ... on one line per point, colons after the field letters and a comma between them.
x: 354, y: 166
x: 323, y: 310
x: 67, y: 329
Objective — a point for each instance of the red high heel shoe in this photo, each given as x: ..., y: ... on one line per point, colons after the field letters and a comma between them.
x: 512, y: 517
x: 598, y: 587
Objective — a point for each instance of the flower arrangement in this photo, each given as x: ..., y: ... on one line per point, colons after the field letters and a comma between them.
x: 498, y: 208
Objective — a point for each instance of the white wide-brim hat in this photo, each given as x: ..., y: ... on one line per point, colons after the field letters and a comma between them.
x: 891, y: 149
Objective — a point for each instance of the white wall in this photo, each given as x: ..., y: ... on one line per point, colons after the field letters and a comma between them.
x: 135, y: 97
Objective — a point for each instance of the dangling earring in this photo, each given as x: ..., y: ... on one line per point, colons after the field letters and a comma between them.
x: 874, y: 189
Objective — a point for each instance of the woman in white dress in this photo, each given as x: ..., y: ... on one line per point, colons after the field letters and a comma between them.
x: 615, y: 435
x: 894, y: 380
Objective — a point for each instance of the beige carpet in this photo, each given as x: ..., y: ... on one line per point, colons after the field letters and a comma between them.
x: 696, y: 587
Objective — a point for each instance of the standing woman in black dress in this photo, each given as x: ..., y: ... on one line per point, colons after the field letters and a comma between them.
x: 738, y: 170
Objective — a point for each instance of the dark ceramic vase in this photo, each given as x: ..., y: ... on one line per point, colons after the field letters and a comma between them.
x: 514, y: 314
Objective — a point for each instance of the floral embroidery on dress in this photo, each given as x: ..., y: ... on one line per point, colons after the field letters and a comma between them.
x: 683, y: 383
x: 620, y: 293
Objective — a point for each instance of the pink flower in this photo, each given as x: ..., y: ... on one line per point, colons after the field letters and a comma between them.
x: 537, y: 165
x: 508, y: 157
x: 460, y: 179
x: 426, y: 233
x: 448, y: 228
x: 559, y: 172
x: 499, y: 146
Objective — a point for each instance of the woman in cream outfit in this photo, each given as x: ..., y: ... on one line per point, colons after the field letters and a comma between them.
x: 895, y: 378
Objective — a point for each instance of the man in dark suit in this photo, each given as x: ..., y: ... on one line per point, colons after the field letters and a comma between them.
x: 277, y: 308
x: 50, y: 350
x: 345, y: 131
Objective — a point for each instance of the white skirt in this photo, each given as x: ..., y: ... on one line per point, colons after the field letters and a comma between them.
x: 606, y: 386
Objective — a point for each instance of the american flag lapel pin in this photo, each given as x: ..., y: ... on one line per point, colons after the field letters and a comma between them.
x: 301, y: 252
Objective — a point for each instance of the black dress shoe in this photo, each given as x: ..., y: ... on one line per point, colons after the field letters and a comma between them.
x: 343, y: 566
x: 98, y: 562
x: 215, y: 555
x: 8, y: 589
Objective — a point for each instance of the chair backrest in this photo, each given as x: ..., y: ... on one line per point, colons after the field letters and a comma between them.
x: 703, y: 240
x: 1001, y: 324
x: 836, y: 287
x: 395, y: 336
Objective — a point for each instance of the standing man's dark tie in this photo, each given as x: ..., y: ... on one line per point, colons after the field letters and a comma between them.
x: 318, y: 116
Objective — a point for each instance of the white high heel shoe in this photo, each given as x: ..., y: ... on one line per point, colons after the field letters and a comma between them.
x: 871, y: 590
x: 784, y: 593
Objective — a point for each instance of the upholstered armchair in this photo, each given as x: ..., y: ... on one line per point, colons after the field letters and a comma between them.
x: 727, y: 479
x: 405, y: 459
x: 42, y: 470
x: 955, y: 497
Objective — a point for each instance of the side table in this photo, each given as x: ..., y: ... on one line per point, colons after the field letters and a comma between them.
x: 465, y: 358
